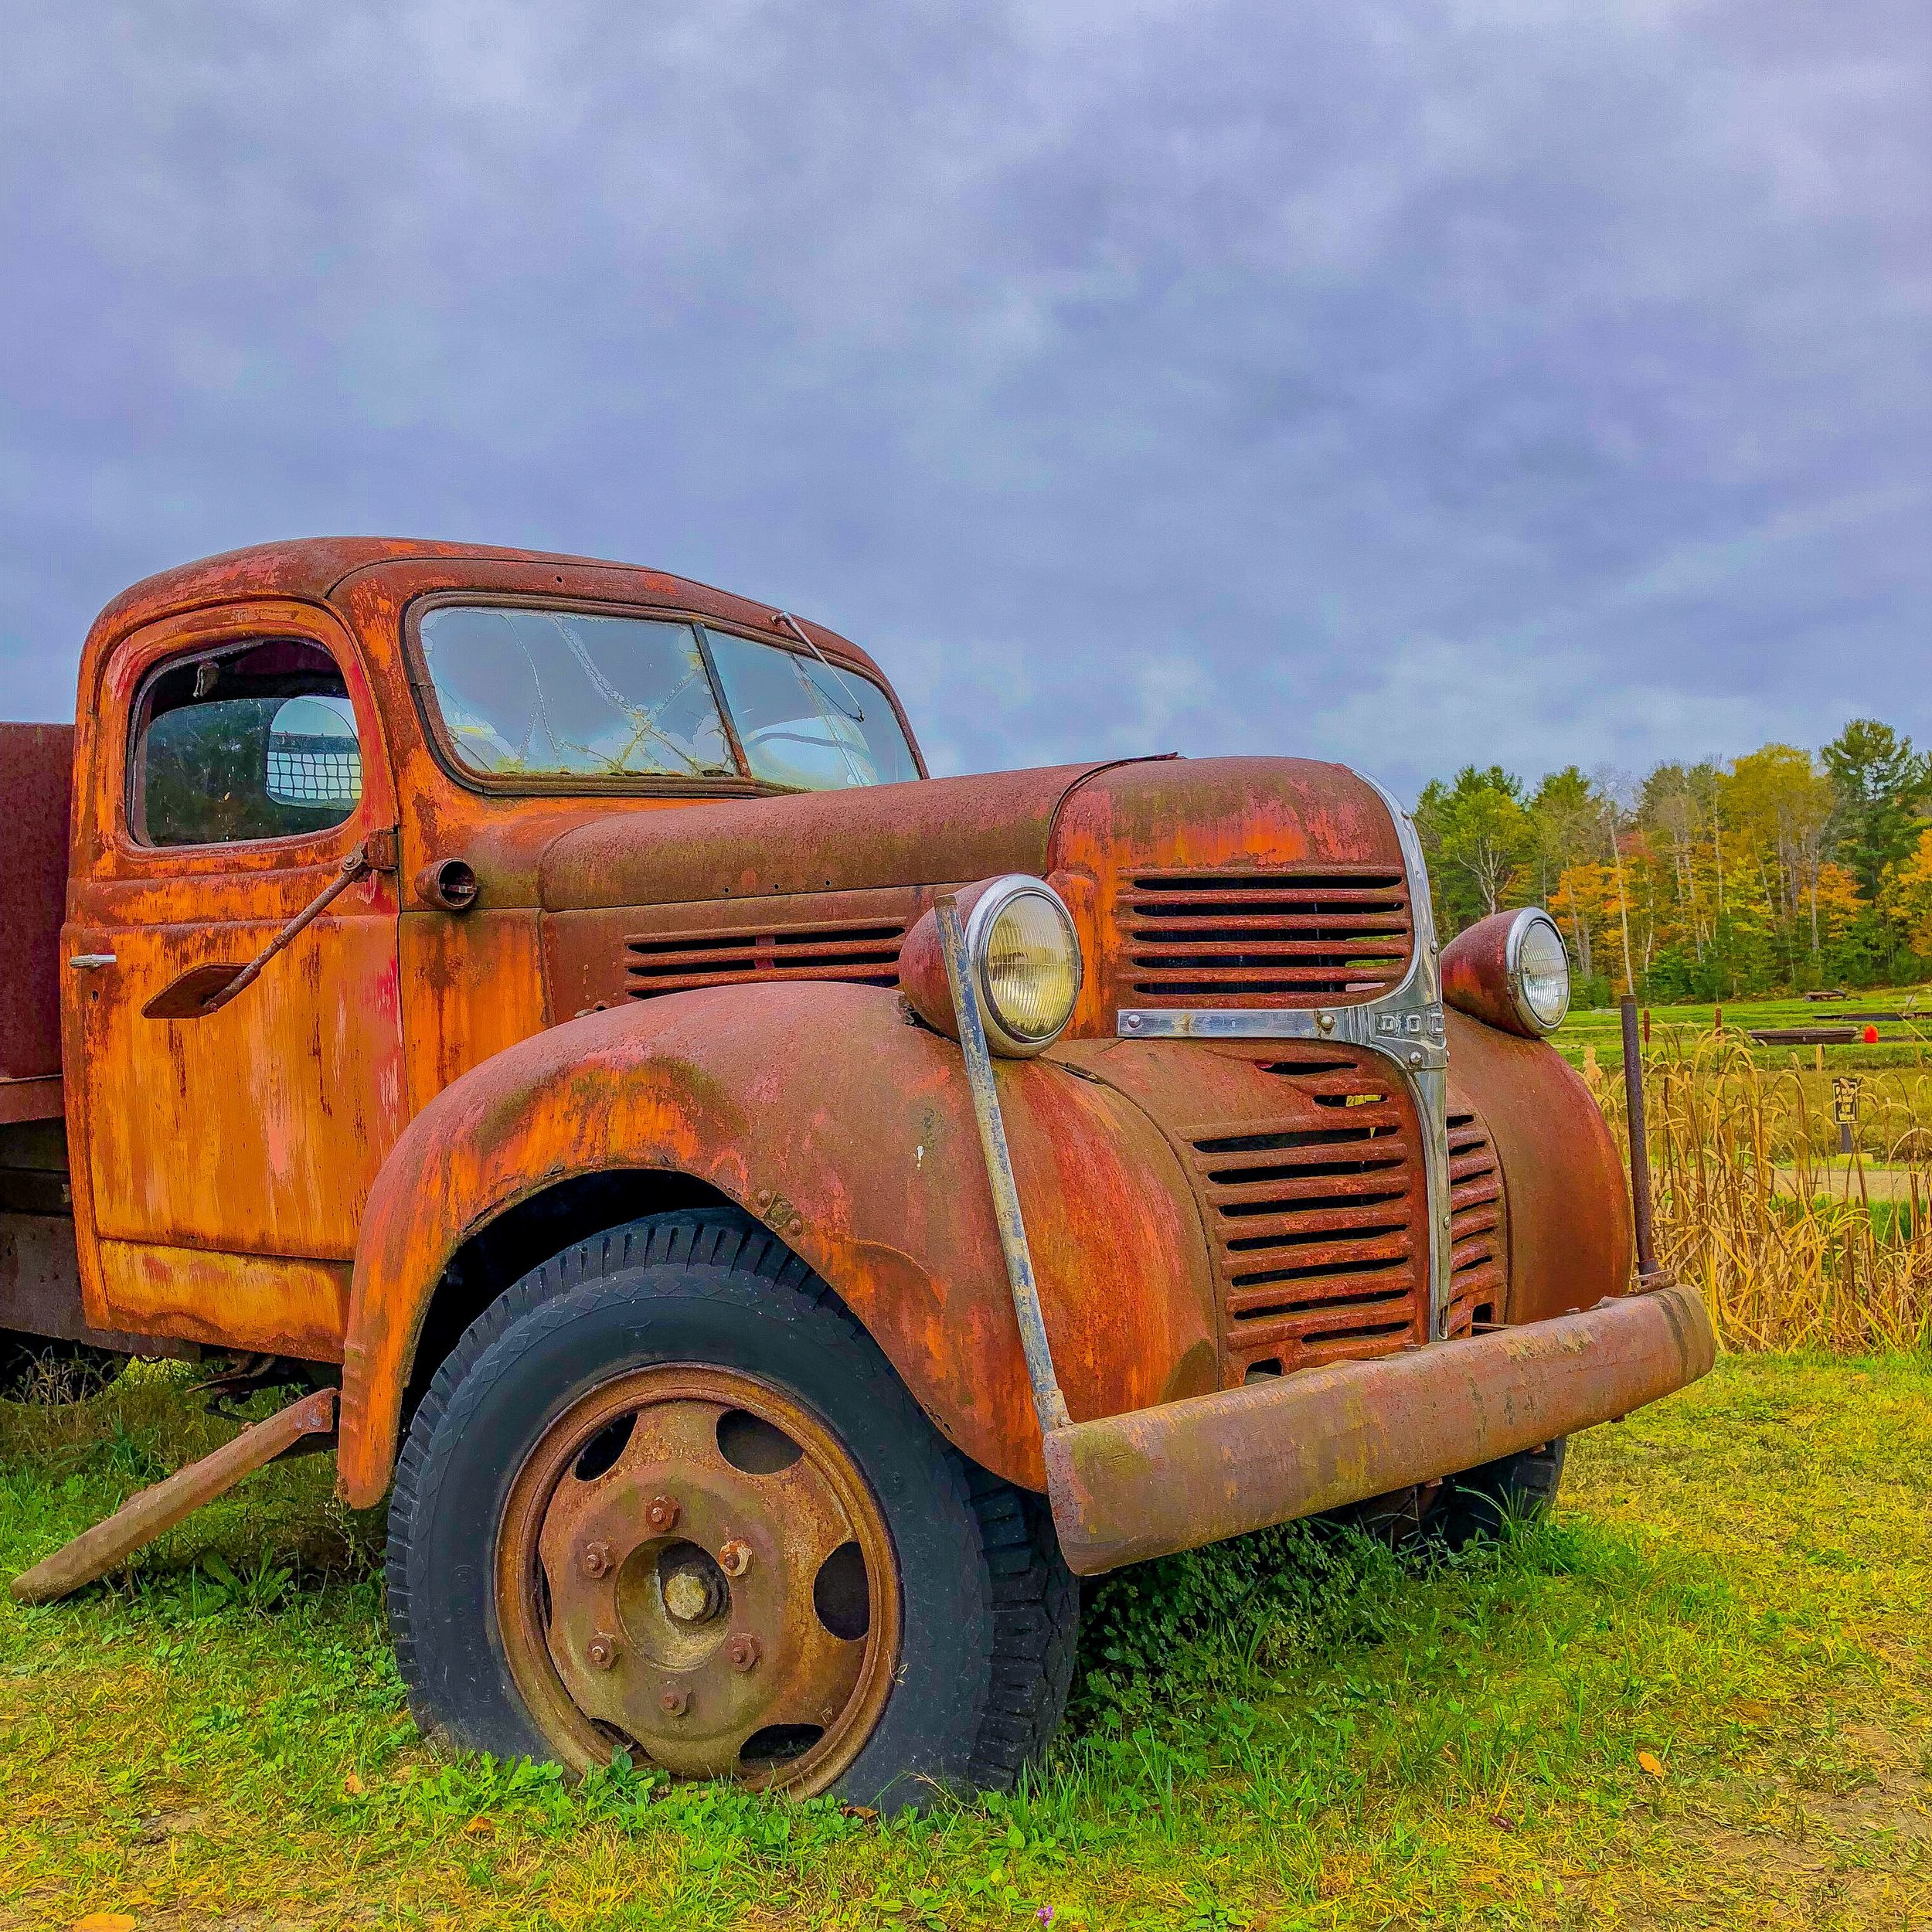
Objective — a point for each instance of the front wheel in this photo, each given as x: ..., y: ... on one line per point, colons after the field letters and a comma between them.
x: 667, y: 1495
x: 1481, y: 1504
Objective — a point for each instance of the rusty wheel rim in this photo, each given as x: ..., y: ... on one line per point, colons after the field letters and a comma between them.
x: 691, y: 1566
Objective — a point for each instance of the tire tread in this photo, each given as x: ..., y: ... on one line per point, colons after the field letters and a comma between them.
x: 1034, y: 1596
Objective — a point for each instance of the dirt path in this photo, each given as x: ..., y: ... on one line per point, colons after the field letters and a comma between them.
x: 1839, y: 1181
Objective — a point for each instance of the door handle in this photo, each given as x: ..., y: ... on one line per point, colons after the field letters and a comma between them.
x: 92, y: 962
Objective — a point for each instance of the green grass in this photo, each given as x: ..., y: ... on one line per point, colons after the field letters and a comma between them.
x: 1900, y: 1044
x: 1294, y: 1730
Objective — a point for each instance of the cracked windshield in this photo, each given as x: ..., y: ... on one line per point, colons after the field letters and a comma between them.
x: 571, y: 694
x: 564, y: 693
x: 804, y: 724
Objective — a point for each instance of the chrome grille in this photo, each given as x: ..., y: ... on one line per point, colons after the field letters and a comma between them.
x: 1284, y: 938
x: 864, y: 952
x: 1319, y: 1243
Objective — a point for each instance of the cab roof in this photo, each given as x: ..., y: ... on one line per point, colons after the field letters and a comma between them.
x: 316, y: 568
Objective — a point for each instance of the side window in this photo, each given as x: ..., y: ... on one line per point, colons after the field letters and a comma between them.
x: 255, y: 741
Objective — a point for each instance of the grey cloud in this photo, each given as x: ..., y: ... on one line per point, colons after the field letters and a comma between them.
x: 1408, y: 384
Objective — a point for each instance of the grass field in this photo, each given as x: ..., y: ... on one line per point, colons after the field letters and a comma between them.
x: 1701, y: 1696
x: 1680, y: 1031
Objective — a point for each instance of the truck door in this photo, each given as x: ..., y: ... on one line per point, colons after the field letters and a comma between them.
x: 236, y: 762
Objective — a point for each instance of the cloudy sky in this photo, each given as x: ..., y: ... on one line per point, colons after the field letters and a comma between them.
x: 1399, y: 382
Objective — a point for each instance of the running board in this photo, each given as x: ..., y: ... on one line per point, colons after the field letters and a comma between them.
x: 144, y: 1517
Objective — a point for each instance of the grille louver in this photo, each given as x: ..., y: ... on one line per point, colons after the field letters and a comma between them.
x: 1286, y: 938
x: 1476, y: 1276
x: 867, y: 952
x: 1318, y: 1231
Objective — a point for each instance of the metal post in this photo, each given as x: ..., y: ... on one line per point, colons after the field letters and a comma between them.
x: 1048, y: 1403
x: 1639, y: 1144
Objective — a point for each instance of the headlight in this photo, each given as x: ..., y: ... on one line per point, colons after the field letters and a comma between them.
x: 1510, y: 970
x: 1025, y: 958
x: 1538, y: 970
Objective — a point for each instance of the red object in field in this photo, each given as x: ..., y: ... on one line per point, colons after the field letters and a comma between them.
x: 1871, y: 1036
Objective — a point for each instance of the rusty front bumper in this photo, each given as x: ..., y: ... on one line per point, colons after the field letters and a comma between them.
x: 1191, y: 1472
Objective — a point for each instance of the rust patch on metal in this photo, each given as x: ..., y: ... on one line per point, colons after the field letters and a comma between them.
x: 269, y: 1304
x: 1566, y: 1224
x: 1189, y: 1473
x: 748, y: 1630
x: 36, y: 773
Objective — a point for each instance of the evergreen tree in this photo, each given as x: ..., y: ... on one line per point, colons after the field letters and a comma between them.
x: 1879, y: 780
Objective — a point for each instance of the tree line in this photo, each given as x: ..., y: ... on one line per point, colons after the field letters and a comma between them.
x: 1781, y: 870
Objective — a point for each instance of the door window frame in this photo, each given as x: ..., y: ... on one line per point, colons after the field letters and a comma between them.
x: 130, y: 671
x: 139, y: 722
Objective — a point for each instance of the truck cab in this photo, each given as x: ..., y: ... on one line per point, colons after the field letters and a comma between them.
x: 763, y: 1216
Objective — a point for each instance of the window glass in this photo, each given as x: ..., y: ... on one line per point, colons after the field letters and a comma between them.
x: 255, y: 743
x: 566, y: 693
x: 804, y: 724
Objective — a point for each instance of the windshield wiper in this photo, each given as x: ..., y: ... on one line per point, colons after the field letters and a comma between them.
x: 858, y: 713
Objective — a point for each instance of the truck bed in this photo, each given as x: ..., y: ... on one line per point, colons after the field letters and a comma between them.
x: 36, y: 767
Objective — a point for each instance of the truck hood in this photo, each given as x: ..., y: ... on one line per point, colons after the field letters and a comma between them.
x: 1104, y: 821
x: 933, y: 831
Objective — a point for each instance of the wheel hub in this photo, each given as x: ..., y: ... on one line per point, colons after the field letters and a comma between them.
x: 690, y: 1562
x: 694, y: 1587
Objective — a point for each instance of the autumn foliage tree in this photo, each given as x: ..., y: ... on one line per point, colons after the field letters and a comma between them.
x: 1781, y: 868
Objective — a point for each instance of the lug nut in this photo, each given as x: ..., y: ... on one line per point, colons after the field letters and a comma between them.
x: 743, y: 1652
x: 602, y: 1651
x: 674, y: 1702
x: 735, y: 1558
x: 595, y: 1559
x: 662, y: 1513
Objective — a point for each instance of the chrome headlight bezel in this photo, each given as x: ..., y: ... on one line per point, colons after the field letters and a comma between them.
x: 1003, y: 1035
x: 1527, y: 922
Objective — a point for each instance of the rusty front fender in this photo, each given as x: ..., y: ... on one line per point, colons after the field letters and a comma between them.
x: 848, y: 1131
x: 1569, y: 1206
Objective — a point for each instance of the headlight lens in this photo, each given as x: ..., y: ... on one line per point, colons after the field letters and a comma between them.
x: 1539, y: 971
x: 1026, y: 956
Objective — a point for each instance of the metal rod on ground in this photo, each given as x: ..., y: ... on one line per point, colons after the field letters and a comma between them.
x: 1048, y: 1403
x: 142, y: 1518
x: 1639, y: 1144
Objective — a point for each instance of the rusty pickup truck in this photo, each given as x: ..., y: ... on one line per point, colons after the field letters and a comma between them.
x: 767, y: 1220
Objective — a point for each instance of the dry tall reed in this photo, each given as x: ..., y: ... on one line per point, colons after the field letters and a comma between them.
x: 1792, y: 1249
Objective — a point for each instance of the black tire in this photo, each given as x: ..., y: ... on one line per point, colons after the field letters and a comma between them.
x: 47, y: 1373
x: 990, y: 1611
x: 1481, y: 1504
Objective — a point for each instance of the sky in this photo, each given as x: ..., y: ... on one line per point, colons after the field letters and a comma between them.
x: 1408, y: 384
